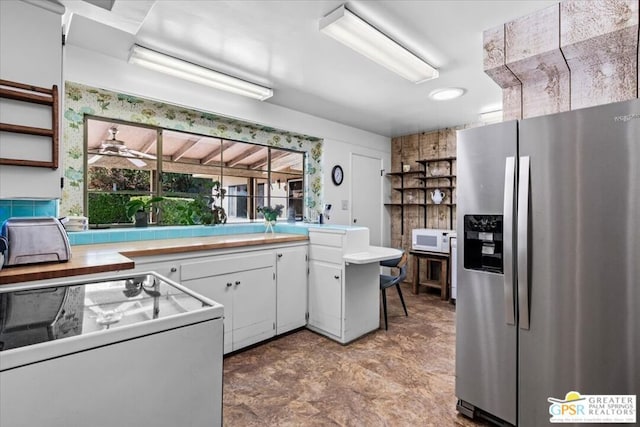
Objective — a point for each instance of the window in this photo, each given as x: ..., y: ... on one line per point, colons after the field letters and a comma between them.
x: 126, y: 160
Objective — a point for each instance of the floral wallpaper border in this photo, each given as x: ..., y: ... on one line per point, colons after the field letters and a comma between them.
x: 80, y: 100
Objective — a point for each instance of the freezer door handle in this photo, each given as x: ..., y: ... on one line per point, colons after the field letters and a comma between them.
x: 523, y: 243
x: 509, y: 190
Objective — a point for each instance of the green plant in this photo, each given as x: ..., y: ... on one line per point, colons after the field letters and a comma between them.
x: 141, y: 204
x: 107, y: 208
x: 269, y: 213
x: 203, y: 209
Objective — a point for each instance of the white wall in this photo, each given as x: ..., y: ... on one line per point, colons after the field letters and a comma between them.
x: 95, y: 69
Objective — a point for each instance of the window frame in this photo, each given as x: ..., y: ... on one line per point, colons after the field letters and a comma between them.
x: 156, y: 182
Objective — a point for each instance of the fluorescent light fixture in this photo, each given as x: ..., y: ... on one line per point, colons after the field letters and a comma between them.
x: 185, y: 70
x: 360, y: 36
x: 447, y: 93
x: 491, y: 116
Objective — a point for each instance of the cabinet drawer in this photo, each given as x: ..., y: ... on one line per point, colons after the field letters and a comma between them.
x: 325, y: 253
x: 225, y: 265
x: 326, y: 239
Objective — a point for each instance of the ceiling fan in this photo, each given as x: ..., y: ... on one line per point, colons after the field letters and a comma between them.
x: 115, y: 147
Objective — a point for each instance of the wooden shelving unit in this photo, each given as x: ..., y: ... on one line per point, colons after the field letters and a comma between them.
x: 32, y: 94
x: 422, y: 176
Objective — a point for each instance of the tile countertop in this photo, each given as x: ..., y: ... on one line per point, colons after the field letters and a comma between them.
x: 100, y: 258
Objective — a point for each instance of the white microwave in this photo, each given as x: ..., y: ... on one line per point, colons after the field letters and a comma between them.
x: 431, y: 240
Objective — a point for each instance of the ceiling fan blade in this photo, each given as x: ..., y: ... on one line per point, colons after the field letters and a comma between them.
x: 139, y: 163
x: 94, y: 159
x: 141, y: 154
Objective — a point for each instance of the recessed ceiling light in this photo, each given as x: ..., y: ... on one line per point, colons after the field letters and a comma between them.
x: 446, y: 94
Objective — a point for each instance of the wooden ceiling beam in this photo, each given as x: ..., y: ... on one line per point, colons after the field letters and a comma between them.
x: 263, y: 161
x: 147, y: 145
x: 180, y: 152
x: 216, y: 152
x: 246, y: 153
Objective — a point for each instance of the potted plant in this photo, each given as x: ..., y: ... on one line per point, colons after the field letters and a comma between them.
x: 270, y: 215
x: 139, y: 209
x: 203, y: 209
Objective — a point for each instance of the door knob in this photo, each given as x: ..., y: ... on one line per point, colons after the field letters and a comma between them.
x: 173, y: 269
x: 355, y: 220
x: 336, y: 277
x: 237, y: 282
x: 229, y: 284
x: 279, y: 255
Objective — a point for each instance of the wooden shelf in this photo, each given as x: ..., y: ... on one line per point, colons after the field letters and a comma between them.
x: 413, y: 188
x: 26, y: 94
x: 429, y: 187
x: 420, y: 204
x: 404, y: 173
x: 435, y: 187
x: 437, y: 177
x: 421, y: 175
x: 441, y: 159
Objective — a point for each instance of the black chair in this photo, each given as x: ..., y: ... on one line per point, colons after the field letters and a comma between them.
x: 389, y: 281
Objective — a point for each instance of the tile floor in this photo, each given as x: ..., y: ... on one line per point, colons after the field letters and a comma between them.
x: 400, y: 377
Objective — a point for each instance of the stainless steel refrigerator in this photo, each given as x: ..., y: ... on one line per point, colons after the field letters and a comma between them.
x: 548, y: 262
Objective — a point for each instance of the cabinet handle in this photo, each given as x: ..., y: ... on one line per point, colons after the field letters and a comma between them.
x: 336, y: 277
x: 279, y: 255
x: 237, y: 282
x: 229, y: 284
x: 173, y: 269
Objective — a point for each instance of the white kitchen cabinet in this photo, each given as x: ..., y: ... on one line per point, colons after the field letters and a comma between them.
x: 344, y: 283
x: 325, y: 297
x: 291, y: 284
x: 250, y: 310
x: 31, y: 46
x: 245, y: 284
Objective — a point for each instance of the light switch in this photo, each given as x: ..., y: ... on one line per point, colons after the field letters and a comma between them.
x: 345, y: 205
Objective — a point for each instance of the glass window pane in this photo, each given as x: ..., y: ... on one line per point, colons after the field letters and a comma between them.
x: 121, y: 164
x: 124, y: 160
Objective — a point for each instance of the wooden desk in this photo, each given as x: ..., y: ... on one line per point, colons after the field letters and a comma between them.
x: 442, y: 283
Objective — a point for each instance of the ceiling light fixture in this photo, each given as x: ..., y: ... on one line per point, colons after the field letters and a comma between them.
x: 360, y: 36
x: 491, y: 116
x: 185, y: 70
x: 446, y: 94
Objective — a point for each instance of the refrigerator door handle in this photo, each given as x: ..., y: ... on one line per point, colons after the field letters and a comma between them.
x: 509, y: 190
x: 523, y: 243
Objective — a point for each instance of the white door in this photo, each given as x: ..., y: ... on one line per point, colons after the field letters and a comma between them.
x: 291, y: 283
x: 325, y: 297
x: 366, y: 195
x: 254, y: 306
x: 219, y: 289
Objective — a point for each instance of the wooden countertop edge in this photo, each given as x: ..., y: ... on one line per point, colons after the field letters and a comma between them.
x: 176, y: 249
x: 91, y: 259
x: 64, y: 272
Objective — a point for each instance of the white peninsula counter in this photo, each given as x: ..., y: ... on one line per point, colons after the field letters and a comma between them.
x: 344, y: 282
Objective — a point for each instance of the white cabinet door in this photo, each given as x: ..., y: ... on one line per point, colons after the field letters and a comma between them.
x: 254, y: 306
x: 219, y: 289
x: 245, y: 284
x: 291, y: 283
x: 31, y: 46
x: 325, y: 297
